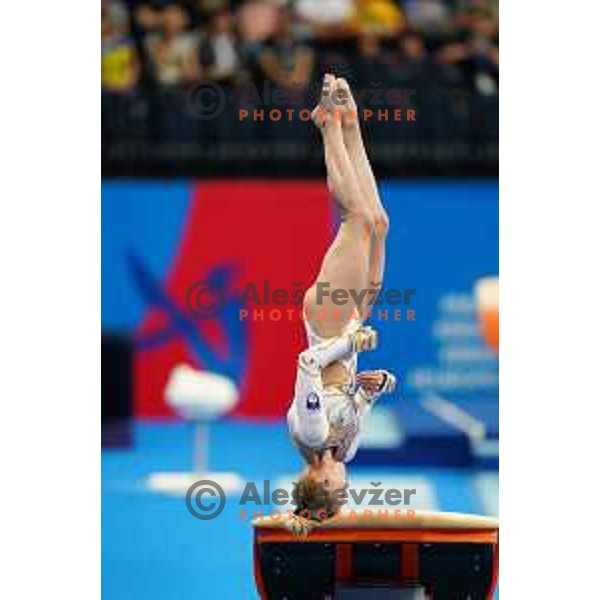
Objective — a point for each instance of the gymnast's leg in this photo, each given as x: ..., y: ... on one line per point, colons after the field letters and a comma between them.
x: 358, y: 157
x: 347, y: 263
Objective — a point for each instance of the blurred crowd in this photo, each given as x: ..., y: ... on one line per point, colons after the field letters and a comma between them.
x: 177, y: 43
x: 160, y: 48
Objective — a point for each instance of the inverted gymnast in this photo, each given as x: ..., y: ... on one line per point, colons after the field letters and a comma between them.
x: 331, y: 398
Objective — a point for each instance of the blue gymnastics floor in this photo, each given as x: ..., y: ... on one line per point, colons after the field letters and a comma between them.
x: 153, y: 549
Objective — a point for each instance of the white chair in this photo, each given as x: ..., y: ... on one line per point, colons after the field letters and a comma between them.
x: 201, y: 397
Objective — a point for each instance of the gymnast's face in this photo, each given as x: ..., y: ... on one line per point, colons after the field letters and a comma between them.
x: 329, y: 473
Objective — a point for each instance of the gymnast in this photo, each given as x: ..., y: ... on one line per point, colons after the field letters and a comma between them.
x: 330, y: 398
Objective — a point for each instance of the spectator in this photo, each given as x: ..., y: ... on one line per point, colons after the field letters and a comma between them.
x: 429, y: 17
x: 410, y: 61
x: 285, y: 61
x: 478, y: 60
x: 118, y: 14
x: 209, y: 7
x: 120, y: 67
x: 368, y: 46
x: 257, y: 21
x: 478, y: 16
x: 147, y: 19
x: 484, y: 64
x: 453, y: 53
x: 172, y: 51
x: 412, y: 48
x: 370, y: 67
x: 218, y: 52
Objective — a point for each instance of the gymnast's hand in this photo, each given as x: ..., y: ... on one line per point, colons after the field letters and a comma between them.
x: 371, y: 381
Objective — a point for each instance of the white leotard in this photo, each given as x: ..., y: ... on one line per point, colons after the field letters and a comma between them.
x: 328, y: 417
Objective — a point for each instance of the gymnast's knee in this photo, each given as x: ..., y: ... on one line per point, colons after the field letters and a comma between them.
x: 382, y: 224
x: 362, y: 215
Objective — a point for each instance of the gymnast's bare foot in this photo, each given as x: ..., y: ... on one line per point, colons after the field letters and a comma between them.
x: 344, y: 102
x: 327, y: 109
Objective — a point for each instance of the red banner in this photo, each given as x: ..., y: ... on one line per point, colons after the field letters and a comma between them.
x: 269, y: 231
